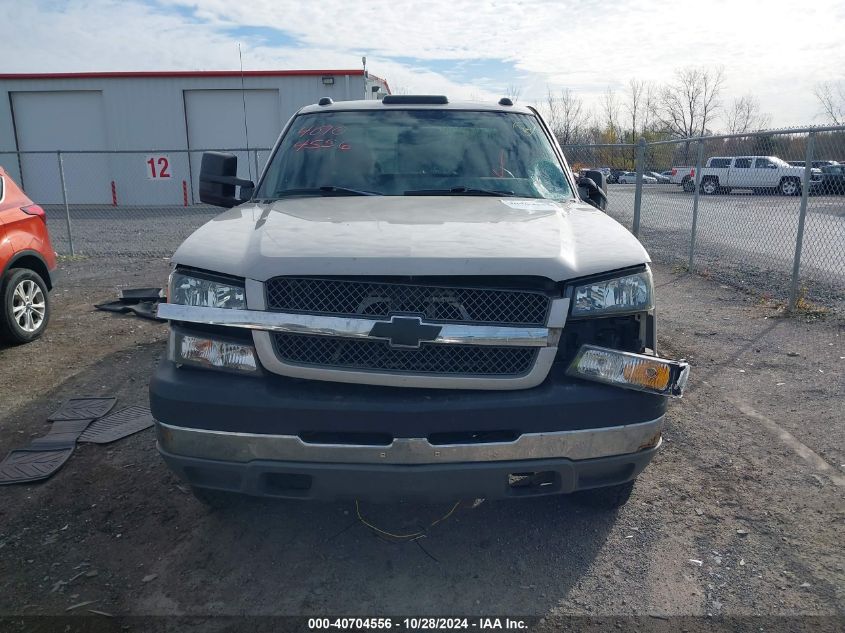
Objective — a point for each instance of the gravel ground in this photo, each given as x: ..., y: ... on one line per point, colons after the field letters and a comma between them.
x: 741, y: 514
x: 744, y: 240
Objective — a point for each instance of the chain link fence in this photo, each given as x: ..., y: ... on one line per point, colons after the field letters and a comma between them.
x: 120, y: 202
x: 765, y: 211
x: 736, y: 208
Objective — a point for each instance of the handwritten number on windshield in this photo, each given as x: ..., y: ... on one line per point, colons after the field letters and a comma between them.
x: 319, y: 143
x: 322, y: 130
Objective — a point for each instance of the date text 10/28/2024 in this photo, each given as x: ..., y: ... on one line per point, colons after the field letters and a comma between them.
x: 417, y: 624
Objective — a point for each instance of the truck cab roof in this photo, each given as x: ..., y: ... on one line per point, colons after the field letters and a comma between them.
x: 422, y: 102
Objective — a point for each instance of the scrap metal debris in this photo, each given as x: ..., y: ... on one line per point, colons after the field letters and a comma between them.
x: 141, y: 302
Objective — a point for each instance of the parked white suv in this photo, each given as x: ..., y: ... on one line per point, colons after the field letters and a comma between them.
x: 761, y: 174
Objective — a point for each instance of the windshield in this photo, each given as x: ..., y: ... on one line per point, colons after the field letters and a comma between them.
x: 415, y: 152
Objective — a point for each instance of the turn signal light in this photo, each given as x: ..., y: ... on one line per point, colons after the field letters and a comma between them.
x: 630, y: 371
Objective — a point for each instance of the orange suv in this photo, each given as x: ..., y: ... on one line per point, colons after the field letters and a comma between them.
x: 27, y: 260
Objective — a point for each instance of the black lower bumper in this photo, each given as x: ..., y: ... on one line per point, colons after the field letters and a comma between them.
x: 207, y: 406
x: 423, y: 483
x: 216, y: 401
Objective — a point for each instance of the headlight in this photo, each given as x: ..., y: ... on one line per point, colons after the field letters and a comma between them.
x: 193, y: 290
x: 631, y: 293
x: 211, y: 353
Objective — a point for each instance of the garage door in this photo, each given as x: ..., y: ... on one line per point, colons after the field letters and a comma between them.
x: 216, y: 121
x: 72, y: 120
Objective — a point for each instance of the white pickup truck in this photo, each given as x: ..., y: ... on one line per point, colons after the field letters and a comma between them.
x: 683, y: 176
x: 761, y: 174
x: 416, y: 301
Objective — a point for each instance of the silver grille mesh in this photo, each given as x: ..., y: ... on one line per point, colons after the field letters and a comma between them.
x: 375, y: 299
x: 430, y: 358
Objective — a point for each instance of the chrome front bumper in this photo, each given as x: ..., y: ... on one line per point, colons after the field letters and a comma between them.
x: 246, y: 447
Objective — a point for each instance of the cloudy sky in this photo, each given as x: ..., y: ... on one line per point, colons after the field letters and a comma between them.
x: 777, y: 50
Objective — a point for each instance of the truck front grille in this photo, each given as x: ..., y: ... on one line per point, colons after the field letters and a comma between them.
x: 429, y: 359
x: 379, y: 299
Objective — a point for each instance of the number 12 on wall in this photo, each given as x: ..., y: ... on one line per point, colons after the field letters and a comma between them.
x: 158, y: 167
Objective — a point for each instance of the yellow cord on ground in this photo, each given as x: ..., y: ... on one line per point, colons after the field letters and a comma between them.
x: 403, y: 537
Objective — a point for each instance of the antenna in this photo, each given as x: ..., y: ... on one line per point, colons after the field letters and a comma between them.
x: 243, y: 100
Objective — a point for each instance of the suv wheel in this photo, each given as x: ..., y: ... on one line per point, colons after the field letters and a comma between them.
x: 710, y: 187
x: 608, y: 498
x: 25, y: 306
x: 688, y: 185
x: 789, y: 187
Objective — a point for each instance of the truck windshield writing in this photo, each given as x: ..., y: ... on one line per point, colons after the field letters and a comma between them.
x: 416, y: 152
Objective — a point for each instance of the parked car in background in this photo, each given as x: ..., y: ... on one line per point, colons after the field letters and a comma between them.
x: 613, y: 177
x: 630, y: 178
x: 27, y: 260
x: 660, y: 178
x: 684, y: 177
x: 830, y: 182
x: 817, y: 164
x: 760, y: 174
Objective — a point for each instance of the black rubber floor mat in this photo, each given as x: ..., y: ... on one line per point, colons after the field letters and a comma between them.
x: 118, y: 425
x: 140, y: 294
x: 83, y: 409
x: 25, y: 464
x: 63, y: 434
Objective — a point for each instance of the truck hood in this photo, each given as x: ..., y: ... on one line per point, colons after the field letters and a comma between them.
x: 411, y: 235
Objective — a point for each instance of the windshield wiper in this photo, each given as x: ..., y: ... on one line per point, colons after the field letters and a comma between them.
x: 463, y: 191
x: 325, y: 190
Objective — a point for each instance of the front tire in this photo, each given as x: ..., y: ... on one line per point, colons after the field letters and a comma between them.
x: 710, y: 187
x: 789, y: 187
x: 607, y: 498
x: 25, y: 309
x: 689, y: 185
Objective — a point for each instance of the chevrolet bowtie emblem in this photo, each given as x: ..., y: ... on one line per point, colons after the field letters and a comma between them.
x: 405, y: 331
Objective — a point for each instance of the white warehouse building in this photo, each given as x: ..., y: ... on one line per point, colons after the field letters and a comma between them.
x: 155, y: 123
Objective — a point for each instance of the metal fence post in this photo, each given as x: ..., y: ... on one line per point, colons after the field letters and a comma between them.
x: 802, y: 215
x: 638, y: 194
x: 255, y: 154
x: 64, y: 199
x: 699, y: 161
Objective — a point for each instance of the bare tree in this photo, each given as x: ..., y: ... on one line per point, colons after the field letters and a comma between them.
x: 610, y: 110
x: 691, y: 101
x: 566, y: 116
x: 640, y: 105
x: 831, y: 96
x: 634, y: 105
x: 513, y: 92
x: 744, y: 116
x: 574, y: 118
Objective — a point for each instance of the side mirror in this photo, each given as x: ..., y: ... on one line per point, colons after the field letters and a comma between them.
x: 218, y: 179
x: 592, y: 188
